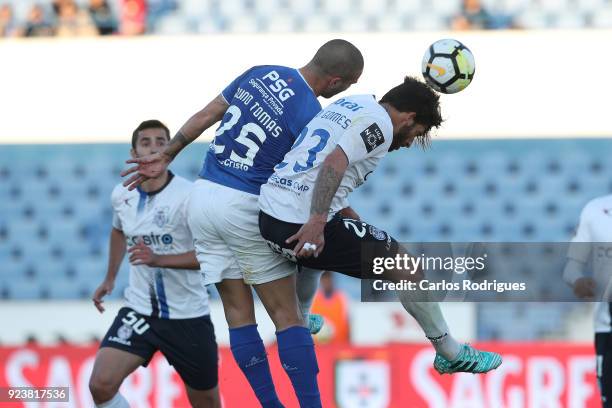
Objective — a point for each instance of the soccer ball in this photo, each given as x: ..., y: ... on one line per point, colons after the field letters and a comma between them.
x: 448, y: 66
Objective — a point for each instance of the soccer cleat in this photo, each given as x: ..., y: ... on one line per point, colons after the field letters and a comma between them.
x: 469, y: 360
x: 315, y: 323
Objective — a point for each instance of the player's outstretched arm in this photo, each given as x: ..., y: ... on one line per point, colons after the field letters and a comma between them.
x: 140, y: 254
x: 328, y: 181
x: 115, y: 256
x: 156, y: 164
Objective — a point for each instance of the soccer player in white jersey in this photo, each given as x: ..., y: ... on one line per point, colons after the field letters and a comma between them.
x: 262, y: 112
x: 333, y: 155
x: 165, y: 309
x: 592, y: 245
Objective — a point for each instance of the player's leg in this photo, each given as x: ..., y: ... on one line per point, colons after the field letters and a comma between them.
x: 122, y: 351
x: 111, y: 367
x: 245, y: 342
x: 344, y: 252
x: 295, y: 345
x: 306, y: 287
x: 190, y: 347
x: 273, y: 277
x: 220, y: 267
x: 237, y: 302
x: 603, y: 349
x: 203, y: 399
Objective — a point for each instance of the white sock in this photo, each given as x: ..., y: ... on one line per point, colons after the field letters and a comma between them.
x: 306, y: 286
x: 429, y: 316
x: 116, y: 402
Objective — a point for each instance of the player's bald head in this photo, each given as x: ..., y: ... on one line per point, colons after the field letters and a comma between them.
x: 338, y: 58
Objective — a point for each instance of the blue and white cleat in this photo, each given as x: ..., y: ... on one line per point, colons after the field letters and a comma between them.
x: 315, y: 323
x: 469, y: 360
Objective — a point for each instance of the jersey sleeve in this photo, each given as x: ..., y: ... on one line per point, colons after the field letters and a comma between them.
x: 116, y: 220
x: 580, y: 249
x: 230, y: 90
x: 366, y: 137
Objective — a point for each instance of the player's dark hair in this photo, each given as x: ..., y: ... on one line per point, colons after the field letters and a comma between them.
x: 149, y: 124
x: 418, y: 97
x: 338, y: 58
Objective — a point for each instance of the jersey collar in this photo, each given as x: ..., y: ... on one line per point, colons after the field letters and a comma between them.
x: 159, y: 190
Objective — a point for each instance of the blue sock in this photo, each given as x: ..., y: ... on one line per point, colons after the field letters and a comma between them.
x: 297, y: 355
x: 250, y: 354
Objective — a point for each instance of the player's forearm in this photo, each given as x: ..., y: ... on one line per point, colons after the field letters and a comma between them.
x: 186, y: 260
x: 116, y: 253
x: 195, y: 126
x: 327, y: 184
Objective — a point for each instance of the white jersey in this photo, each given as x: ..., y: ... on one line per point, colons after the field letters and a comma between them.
x: 359, y: 125
x: 596, y: 229
x: 159, y: 219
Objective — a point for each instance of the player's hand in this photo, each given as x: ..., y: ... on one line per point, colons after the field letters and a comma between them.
x: 147, y: 167
x: 584, y: 288
x: 104, y: 289
x: 140, y: 254
x: 310, y: 233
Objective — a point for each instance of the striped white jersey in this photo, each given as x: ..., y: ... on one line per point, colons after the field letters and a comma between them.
x: 595, y: 230
x: 159, y: 219
x: 363, y: 130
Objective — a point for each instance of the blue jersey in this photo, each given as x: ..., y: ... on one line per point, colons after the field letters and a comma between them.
x: 269, y: 106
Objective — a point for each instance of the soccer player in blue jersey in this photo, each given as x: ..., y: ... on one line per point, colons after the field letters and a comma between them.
x: 262, y: 113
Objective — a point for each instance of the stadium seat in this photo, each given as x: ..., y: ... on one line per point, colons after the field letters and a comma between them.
x: 373, y: 7
x: 427, y: 22
x: 244, y: 23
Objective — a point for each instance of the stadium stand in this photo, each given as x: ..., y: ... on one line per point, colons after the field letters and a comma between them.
x: 55, y: 209
x: 168, y: 17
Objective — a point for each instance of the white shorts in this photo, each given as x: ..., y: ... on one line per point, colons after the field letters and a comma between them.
x: 225, y: 227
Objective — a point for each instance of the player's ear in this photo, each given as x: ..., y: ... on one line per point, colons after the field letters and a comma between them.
x: 334, y: 82
x: 133, y: 153
x: 408, y: 118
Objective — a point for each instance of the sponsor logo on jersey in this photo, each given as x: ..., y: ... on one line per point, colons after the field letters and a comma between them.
x: 372, y: 137
x: 288, y: 183
x: 348, y: 104
x: 161, y: 216
x: 278, y: 86
x: 151, y: 239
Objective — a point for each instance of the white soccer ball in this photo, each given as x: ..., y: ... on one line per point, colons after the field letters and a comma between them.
x: 448, y: 66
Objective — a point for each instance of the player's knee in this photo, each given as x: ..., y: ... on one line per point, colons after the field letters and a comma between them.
x: 102, y: 388
x: 285, y: 317
x: 237, y: 317
x: 206, y: 399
